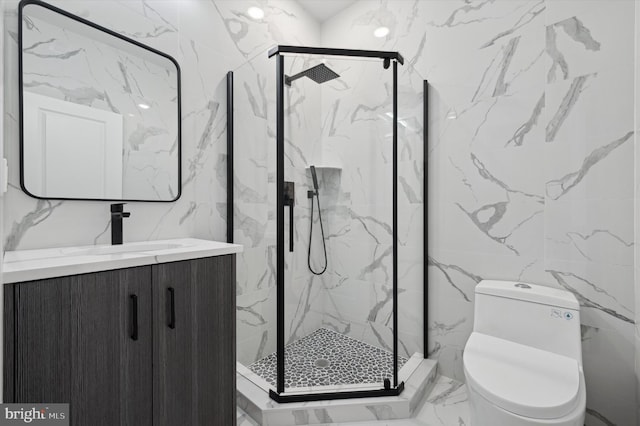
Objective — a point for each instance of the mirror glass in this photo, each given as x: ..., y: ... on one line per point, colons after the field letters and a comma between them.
x: 100, y: 112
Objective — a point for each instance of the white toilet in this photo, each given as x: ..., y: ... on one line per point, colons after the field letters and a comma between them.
x: 523, y: 361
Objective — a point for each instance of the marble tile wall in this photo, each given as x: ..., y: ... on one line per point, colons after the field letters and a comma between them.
x: 255, y: 211
x: 344, y: 128
x: 31, y: 223
x: 357, y: 139
x: 208, y: 38
x: 254, y: 217
x: 589, y: 194
x: 304, y: 304
x: 357, y: 208
x: 530, y: 160
x: 531, y: 137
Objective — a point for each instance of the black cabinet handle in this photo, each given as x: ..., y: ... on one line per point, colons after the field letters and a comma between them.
x: 172, y: 307
x: 133, y: 303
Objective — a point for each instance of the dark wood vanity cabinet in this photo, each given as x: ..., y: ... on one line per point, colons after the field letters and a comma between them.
x: 69, y: 341
x: 151, y: 345
x: 196, y: 345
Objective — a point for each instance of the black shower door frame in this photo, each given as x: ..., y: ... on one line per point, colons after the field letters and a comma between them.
x: 389, y: 59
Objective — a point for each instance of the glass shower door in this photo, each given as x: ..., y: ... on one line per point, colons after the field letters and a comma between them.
x: 335, y: 157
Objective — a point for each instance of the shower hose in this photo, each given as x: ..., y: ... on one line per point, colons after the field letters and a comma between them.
x: 324, y: 246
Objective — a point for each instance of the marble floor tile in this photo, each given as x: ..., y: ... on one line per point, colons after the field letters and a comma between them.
x: 244, y: 419
x: 446, y: 405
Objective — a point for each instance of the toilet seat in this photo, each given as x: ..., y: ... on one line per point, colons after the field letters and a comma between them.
x: 521, y: 379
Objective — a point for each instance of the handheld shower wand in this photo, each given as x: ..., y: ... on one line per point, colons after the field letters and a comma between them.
x: 311, y: 194
x: 315, y: 178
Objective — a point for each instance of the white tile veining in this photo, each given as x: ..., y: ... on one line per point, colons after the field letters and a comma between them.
x: 419, y: 378
x: 531, y: 179
x: 445, y: 405
x: 348, y: 138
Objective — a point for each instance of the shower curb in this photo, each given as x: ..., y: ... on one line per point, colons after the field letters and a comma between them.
x: 255, y: 401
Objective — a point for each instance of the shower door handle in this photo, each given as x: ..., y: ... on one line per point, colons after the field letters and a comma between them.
x: 289, y: 200
x: 291, y: 227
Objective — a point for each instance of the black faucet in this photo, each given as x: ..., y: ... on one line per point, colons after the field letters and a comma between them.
x: 117, y: 214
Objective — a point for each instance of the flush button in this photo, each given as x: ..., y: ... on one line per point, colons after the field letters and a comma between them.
x: 521, y: 285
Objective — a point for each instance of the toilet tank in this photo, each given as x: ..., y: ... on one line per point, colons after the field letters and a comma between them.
x: 542, y: 317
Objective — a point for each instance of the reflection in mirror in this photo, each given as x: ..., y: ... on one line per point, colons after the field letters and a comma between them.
x: 101, y: 113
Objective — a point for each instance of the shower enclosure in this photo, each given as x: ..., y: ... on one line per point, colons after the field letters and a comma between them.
x: 316, y: 156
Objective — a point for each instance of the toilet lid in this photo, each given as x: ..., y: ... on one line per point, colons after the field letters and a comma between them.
x: 523, y: 380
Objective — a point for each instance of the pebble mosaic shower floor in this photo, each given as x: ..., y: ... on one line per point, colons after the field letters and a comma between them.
x: 325, y: 358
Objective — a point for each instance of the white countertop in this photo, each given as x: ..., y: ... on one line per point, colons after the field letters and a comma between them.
x: 29, y: 265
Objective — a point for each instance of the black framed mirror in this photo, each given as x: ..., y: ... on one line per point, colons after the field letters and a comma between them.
x: 99, y: 112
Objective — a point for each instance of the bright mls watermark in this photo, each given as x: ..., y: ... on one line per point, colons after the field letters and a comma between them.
x: 34, y: 414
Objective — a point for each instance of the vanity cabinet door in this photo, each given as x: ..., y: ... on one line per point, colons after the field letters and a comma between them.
x: 74, y: 343
x: 194, y: 347
x: 172, y: 348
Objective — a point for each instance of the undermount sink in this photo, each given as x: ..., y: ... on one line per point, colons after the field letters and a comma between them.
x: 124, y: 248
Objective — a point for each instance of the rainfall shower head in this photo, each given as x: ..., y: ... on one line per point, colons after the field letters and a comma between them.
x: 320, y: 74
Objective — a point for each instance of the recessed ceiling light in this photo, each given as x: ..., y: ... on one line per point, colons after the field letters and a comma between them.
x: 255, y: 12
x: 144, y: 106
x: 381, y: 32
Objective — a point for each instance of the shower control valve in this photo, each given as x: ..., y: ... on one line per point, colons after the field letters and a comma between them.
x: 289, y: 200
